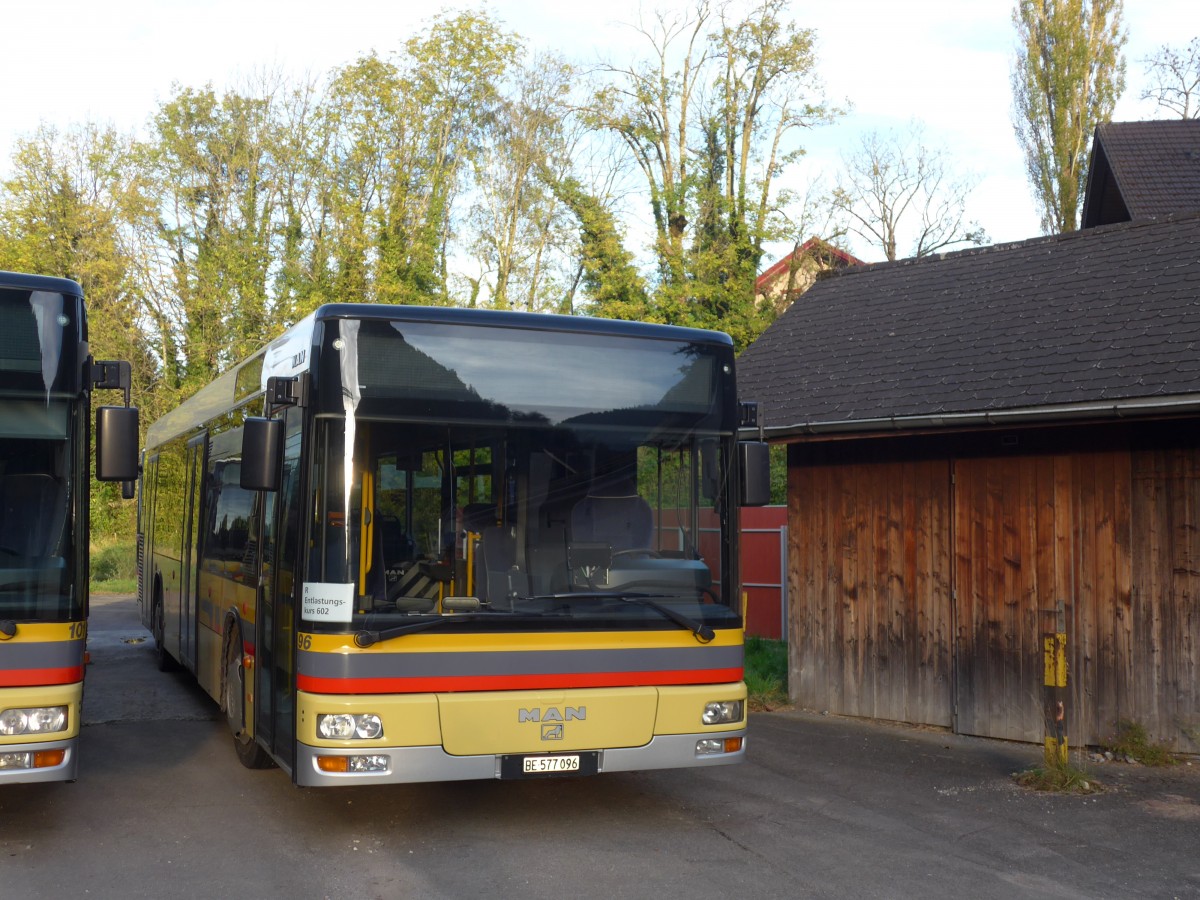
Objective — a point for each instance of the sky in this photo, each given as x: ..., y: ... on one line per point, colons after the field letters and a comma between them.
x: 943, y: 62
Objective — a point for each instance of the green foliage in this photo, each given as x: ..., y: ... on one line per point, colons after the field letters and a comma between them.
x: 114, y: 566
x: 1068, y: 74
x: 708, y: 120
x: 242, y: 210
x: 1131, y: 741
x: 62, y: 214
x: 779, y: 474
x: 610, y: 279
x: 766, y: 673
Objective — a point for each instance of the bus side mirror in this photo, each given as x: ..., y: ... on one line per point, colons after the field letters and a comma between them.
x: 262, y: 448
x: 116, y: 443
x: 754, y: 466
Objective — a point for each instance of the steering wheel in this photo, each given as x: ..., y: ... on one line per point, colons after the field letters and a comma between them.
x: 642, y: 553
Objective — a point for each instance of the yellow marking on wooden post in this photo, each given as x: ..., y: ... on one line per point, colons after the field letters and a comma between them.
x: 1054, y: 660
x: 1060, y: 659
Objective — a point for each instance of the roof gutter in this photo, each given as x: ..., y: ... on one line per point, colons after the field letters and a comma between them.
x: 1120, y: 409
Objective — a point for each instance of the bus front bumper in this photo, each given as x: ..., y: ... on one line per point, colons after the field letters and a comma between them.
x: 19, y: 763
x: 400, y: 765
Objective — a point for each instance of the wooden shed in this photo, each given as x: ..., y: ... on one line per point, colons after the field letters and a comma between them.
x: 984, y: 447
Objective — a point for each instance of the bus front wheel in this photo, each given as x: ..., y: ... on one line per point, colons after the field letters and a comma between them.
x: 249, y: 753
x: 164, y: 660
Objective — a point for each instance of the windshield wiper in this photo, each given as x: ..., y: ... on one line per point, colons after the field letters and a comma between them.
x: 703, y: 633
x: 366, y: 638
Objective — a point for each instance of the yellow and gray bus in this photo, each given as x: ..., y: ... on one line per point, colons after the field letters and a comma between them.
x: 46, y: 379
x: 418, y: 544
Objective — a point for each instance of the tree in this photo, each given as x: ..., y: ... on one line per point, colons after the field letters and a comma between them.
x: 1067, y: 76
x: 708, y: 121
x: 214, y: 173
x: 62, y: 213
x: 1174, y: 77
x: 896, y: 187
x: 401, y: 139
x: 518, y: 221
x: 609, y: 277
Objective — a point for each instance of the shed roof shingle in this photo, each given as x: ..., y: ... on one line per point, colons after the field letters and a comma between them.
x: 1106, y: 314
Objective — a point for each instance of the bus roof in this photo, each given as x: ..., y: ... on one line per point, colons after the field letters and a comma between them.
x: 22, y: 282
x: 289, y: 354
x: 523, y: 320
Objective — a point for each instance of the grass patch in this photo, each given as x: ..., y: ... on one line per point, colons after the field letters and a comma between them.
x: 114, y: 567
x: 1059, y: 778
x: 766, y: 673
x: 1132, y: 742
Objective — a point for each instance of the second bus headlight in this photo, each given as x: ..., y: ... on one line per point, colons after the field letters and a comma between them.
x: 36, y: 720
x: 722, y: 712
x: 346, y: 727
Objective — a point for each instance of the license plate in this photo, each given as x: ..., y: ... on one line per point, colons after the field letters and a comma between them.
x: 549, y: 765
x: 539, y: 765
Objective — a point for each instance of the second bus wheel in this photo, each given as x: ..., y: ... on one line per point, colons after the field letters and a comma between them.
x: 249, y: 753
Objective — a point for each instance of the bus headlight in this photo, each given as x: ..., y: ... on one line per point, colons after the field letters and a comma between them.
x: 36, y: 720
x: 722, y: 713
x: 346, y: 727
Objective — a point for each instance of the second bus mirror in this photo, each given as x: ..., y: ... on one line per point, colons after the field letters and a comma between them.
x: 262, y: 445
x: 116, y: 443
x: 754, y: 459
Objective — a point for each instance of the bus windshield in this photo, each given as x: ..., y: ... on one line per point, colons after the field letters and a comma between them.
x: 36, y: 552
x: 562, y: 523
x: 516, y: 475
x: 40, y: 336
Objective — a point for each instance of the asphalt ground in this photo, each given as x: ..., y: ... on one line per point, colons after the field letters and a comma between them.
x: 823, y: 807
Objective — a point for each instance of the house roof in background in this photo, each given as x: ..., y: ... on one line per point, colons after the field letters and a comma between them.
x: 1104, y: 317
x: 1143, y: 169
x: 813, y: 243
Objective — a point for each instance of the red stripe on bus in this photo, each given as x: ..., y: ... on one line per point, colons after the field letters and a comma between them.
x: 436, y: 684
x: 40, y: 677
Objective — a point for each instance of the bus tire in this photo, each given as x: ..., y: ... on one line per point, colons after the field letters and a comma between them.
x: 249, y: 753
x: 163, y: 659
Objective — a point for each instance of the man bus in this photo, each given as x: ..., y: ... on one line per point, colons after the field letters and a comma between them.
x: 419, y: 544
x: 46, y: 380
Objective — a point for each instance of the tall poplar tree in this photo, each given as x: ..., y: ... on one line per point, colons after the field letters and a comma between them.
x: 1067, y: 76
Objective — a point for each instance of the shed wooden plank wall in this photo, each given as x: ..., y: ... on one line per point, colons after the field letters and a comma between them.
x: 880, y: 545
x: 871, y: 635
x: 1164, y: 612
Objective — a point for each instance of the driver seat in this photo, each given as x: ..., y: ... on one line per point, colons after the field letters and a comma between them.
x: 613, y: 513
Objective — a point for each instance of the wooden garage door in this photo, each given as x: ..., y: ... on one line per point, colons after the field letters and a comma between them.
x: 1031, y: 532
x: 870, y: 630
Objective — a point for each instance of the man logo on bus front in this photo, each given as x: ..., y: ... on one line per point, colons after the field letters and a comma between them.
x: 552, y: 732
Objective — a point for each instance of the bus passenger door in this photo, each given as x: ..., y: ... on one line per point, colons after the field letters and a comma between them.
x: 275, y: 634
x: 189, y: 575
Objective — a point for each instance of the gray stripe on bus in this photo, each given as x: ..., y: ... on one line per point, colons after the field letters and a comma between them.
x: 522, y: 662
x: 41, y: 655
